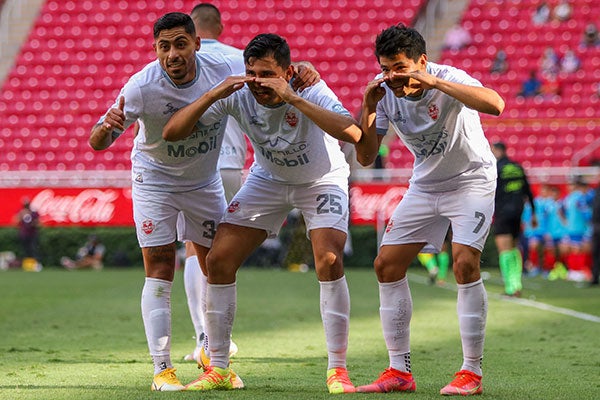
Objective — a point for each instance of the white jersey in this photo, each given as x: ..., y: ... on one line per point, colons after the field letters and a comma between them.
x: 445, y: 136
x: 288, y: 146
x: 234, y: 148
x: 151, y: 98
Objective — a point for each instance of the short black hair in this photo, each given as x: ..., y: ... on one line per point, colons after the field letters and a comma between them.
x: 174, y: 20
x: 400, y: 39
x: 500, y: 146
x: 206, y: 15
x: 269, y: 44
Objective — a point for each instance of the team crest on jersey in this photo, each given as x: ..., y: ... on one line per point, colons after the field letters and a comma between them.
x: 291, y: 118
x: 434, y: 111
x: 233, y: 207
x: 389, y: 226
x: 148, y: 226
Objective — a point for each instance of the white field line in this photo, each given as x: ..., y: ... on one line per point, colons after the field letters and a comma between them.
x: 524, y: 302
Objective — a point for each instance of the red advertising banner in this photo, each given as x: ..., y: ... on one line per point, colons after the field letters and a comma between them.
x: 372, y: 201
x: 70, y: 206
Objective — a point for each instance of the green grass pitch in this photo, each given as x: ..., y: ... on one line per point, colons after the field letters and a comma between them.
x: 79, y: 335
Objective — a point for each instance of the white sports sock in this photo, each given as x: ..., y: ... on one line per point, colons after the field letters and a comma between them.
x: 192, y: 280
x: 335, y: 313
x: 472, y: 307
x: 220, y: 311
x: 395, y: 311
x: 156, y: 314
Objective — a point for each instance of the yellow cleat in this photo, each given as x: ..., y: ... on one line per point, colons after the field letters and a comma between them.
x: 166, y: 381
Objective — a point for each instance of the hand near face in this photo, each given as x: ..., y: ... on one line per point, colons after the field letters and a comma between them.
x: 374, y: 92
x: 230, y: 85
x: 426, y: 80
x: 279, y: 85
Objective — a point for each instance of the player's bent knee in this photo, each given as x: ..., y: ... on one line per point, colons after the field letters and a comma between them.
x: 221, y: 270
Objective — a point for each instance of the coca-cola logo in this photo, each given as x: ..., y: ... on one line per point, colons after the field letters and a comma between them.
x: 368, y: 206
x: 88, y: 206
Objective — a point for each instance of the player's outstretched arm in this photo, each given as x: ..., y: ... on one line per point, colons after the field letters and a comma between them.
x: 478, y: 98
x: 341, y: 127
x: 181, y: 124
x: 101, y: 135
x: 368, y: 147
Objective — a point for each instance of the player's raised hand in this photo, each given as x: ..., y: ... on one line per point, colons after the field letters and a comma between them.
x: 305, y: 75
x: 374, y: 92
x: 230, y: 85
x: 426, y: 80
x: 280, y: 86
x: 115, y: 118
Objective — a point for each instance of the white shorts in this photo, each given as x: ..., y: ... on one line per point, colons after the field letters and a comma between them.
x: 163, y: 217
x: 265, y: 205
x: 425, y: 218
x: 232, y: 181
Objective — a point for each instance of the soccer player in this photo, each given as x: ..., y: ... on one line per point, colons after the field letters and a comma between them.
x: 208, y: 25
x: 595, y: 281
x: 512, y: 191
x: 534, y: 235
x: 434, y: 110
x: 298, y: 164
x: 169, y: 178
x: 576, y: 244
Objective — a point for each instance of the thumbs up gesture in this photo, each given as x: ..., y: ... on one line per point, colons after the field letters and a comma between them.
x: 115, y: 118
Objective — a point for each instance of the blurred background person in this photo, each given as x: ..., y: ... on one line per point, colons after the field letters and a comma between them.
x: 28, y: 223
x: 90, y: 255
x: 512, y: 190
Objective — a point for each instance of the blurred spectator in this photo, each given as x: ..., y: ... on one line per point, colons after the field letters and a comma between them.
x: 551, y: 87
x: 500, y: 63
x: 562, y: 11
x: 457, y: 37
x: 570, y: 62
x: 591, y: 38
x: 88, y: 256
x: 28, y: 222
x: 541, y: 14
x: 532, y: 86
x: 549, y: 62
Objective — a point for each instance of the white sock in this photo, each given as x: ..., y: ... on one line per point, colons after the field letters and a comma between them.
x: 335, y: 313
x: 472, y: 312
x: 156, y: 313
x: 192, y: 280
x: 220, y: 311
x: 395, y: 311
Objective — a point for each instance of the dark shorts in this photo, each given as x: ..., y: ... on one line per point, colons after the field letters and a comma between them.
x: 507, y: 224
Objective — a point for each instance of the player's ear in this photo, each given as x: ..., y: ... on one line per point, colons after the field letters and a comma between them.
x: 289, y: 73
